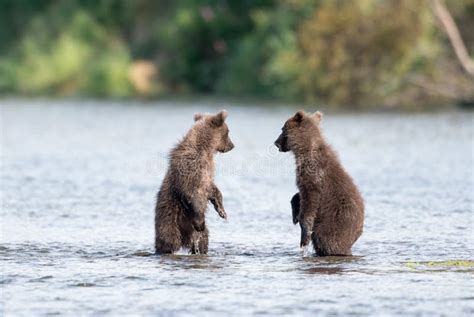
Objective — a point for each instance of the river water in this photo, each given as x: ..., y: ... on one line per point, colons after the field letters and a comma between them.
x: 78, y: 186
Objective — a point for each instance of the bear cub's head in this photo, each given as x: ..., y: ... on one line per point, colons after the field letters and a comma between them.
x: 299, y: 131
x: 217, y: 130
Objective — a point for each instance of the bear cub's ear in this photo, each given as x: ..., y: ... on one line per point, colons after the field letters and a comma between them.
x: 298, y: 117
x: 318, y: 116
x: 198, y: 116
x: 219, y: 118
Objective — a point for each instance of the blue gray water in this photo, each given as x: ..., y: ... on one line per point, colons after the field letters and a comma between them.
x: 78, y: 185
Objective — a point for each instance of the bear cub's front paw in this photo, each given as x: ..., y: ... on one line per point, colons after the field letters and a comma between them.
x: 295, y: 208
x: 305, y: 238
x: 221, y: 212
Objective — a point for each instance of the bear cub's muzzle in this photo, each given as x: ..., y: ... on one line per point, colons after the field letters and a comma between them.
x: 228, y: 147
x: 281, y: 143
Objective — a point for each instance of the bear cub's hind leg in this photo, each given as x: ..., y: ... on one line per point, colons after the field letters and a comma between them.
x: 200, y: 242
x: 167, y: 245
x: 193, y: 212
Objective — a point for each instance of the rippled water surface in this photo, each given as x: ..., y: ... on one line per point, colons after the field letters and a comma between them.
x: 78, y: 188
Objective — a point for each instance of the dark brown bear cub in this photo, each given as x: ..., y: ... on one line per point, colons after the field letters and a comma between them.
x: 328, y: 206
x: 188, y: 187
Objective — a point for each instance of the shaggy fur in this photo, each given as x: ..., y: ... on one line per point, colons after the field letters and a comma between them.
x: 328, y: 206
x: 188, y: 187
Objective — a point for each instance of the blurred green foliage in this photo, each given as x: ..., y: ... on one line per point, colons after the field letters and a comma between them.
x: 361, y: 51
x: 340, y: 53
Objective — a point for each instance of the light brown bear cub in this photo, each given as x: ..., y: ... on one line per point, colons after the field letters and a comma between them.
x: 188, y: 187
x: 328, y: 206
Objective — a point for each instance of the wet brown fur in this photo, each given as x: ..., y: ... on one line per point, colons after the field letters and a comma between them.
x: 188, y: 187
x: 328, y: 206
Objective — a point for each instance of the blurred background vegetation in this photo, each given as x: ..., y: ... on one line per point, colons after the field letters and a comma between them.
x: 344, y: 54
